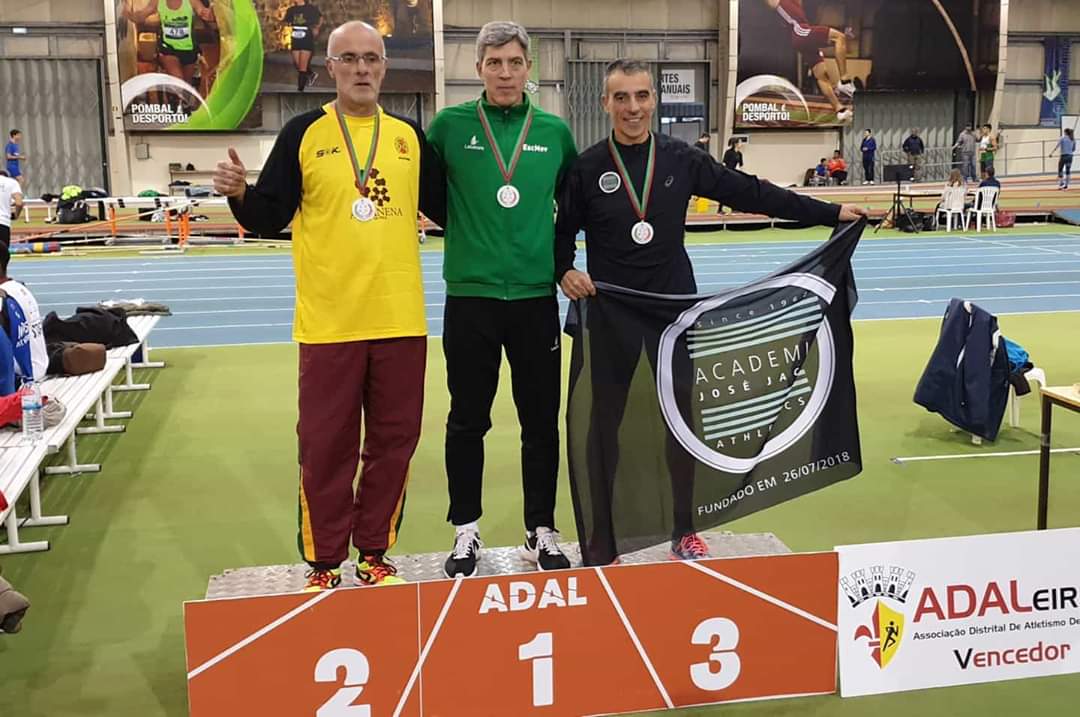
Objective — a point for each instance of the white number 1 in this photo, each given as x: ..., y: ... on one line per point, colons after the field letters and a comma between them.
x: 357, y: 672
x: 539, y: 650
x: 723, y: 635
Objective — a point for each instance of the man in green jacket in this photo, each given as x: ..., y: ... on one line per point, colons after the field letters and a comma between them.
x: 503, y: 158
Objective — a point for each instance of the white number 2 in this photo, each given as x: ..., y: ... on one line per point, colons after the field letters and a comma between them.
x: 723, y: 635
x: 357, y: 672
x: 539, y: 650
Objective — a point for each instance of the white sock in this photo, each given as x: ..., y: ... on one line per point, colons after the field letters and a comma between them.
x: 472, y: 527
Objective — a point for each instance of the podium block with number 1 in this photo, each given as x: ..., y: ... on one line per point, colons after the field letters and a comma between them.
x: 575, y: 642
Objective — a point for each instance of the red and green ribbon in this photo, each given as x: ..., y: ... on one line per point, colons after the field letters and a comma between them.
x: 361, y: 175
x: 640, y: 202
x: 507, y: 171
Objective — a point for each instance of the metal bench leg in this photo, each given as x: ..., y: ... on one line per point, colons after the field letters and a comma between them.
x: 129, y: 381
x: 36, y: 519
x: 14, y: 545
x: 99, y: 422
x: 73, y: 465
x: 146, y: 362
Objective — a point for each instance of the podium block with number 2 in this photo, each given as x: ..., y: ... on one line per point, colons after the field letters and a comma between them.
x: 575, y: 642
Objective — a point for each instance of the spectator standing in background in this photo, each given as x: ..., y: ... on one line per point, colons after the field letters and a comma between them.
x: 987, y: 146
x: 13, y: 155
x: 1066, y: 145
x: 868, y: 148
x: 914, y: 148
x: 733, y: 157
x: 11, y: 204
x: 702, y: 142
x: 838, y: 168
x: 967, y: 143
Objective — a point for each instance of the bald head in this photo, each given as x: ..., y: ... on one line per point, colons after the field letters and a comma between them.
x: 352, y: 33
x: 356, y: 59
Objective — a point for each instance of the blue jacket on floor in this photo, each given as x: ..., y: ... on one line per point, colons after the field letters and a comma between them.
x: 967, y: 378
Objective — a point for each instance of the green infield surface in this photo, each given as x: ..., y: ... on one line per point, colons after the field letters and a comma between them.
x: 204, y: 479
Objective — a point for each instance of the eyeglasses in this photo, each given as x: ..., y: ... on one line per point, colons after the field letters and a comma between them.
x: 369, y: 59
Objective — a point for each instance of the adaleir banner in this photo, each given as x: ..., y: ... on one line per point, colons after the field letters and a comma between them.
x: 955, y: 611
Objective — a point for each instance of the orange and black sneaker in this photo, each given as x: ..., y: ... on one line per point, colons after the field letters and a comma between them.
x: 689, y: 547
x: 376, y: 570
x: 322, y: 579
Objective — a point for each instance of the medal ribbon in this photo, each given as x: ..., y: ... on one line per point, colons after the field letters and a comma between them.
x: 507, y: 172
x: 360, y: 175
x: 640, y: 204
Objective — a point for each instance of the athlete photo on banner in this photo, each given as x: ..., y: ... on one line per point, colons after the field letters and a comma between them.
x: 189, y: 64
x: 804, y: 63
x: 295, y: 34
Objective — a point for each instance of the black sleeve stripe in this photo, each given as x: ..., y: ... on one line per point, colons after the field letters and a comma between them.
x: 270, y: 205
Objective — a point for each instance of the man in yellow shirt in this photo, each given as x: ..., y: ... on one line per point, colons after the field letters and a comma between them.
x: 348, y: 176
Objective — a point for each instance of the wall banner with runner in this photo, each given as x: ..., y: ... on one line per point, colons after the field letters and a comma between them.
x: 955, y: 611
x: 187, y: 64
x: 803, y: 63
x: 206, y: 64
x: 565, y: 643
x: 685, y: 413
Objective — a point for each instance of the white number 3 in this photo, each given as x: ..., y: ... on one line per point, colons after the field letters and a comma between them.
x: 357, y: 672
x: 723, y: 635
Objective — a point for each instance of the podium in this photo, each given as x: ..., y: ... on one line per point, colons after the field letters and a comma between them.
x: 645, y: 634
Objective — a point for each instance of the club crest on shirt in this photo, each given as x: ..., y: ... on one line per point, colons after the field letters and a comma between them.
x: 610, y: 182
x: 401, y: 145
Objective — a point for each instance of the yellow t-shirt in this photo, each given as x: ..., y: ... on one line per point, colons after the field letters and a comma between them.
x: 355, y: 280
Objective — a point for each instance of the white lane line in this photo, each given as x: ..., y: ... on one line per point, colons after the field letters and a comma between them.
x: 761, y: 595
x: 634, y: 638
x: 1000, y: 454
x: 306, y: 605
x: 427, y: 647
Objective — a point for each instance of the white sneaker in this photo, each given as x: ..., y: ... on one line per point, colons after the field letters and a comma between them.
x: 846, y: 88
x: 844, y: 116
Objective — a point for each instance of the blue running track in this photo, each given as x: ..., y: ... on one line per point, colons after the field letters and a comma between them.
x: 226, y: 300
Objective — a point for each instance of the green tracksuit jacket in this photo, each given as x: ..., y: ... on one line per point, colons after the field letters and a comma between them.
x: 491, y: 251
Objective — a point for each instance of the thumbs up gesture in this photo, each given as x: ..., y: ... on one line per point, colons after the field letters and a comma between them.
x: 230, y: 177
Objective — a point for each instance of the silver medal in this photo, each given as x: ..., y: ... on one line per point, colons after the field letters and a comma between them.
x: 363, y: 209
x: 642, y: 232
x: 508, y: 196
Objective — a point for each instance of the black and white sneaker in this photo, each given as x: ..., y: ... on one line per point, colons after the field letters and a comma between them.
x: 465, y: 555
x: 542, y: 548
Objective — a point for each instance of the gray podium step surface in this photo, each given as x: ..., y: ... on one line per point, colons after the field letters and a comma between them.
x: 275, y: 579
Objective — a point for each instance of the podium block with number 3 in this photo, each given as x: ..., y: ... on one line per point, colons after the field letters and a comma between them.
x: 575, y: 642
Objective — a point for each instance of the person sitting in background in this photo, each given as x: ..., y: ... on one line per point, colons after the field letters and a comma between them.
x: 837, y: 168
x: 822, y: 170
x: 990, y: 180
x: 733, y: 157
x: 955, y: 179
x: 21, y: 334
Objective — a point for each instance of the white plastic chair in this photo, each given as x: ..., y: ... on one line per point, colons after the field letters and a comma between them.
x: 952, y: 205
x: 1035, y: 375
x: 985, y: 206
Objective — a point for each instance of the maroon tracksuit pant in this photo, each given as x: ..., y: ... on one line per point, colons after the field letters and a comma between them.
x: 381, y: 384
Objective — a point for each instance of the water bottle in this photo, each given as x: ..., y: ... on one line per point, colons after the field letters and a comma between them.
x: 33, y: 421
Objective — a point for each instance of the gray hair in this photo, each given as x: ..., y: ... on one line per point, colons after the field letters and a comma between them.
x: 499, y: 32
x: 627, y: 67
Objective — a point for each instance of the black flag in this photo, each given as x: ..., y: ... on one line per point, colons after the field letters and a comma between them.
x: 686, y: 412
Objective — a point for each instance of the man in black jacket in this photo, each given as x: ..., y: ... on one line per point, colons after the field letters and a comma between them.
x: 914, y: 148
x: 629, y: 193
